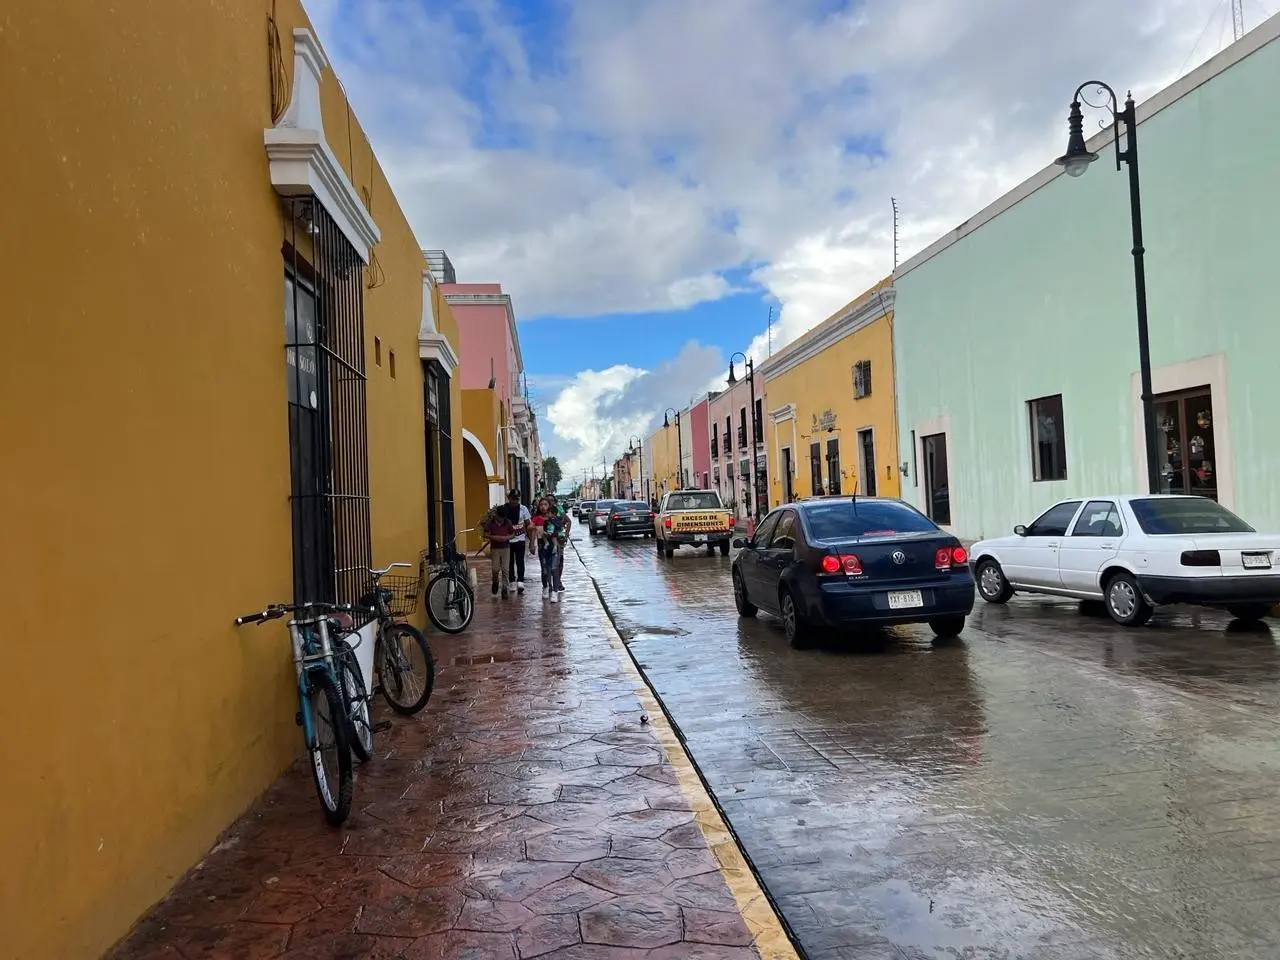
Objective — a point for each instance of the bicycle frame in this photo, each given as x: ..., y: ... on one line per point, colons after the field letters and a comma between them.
x: 306, y: 660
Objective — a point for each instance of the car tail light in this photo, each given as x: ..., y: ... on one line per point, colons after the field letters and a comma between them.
x: 959, y: 556
x: 613, y: 516
x: 942, y: 559
x: 650, y: 514
x: 666, y: 522
x: 846, y: 563
x: 1201, y: 558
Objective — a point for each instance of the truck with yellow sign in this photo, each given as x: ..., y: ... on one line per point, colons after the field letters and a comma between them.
x: 696, y: 517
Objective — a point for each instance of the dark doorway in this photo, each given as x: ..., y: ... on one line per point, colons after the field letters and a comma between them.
x: 1184, y: 438
x: 786, y: 474
x: 867, y: 448
x: 936, y: 482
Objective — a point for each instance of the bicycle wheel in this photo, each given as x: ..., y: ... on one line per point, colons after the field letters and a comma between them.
x: 329, y: 748
x: 406, y: 686
x: 356, y: 696
x: 451, y: 603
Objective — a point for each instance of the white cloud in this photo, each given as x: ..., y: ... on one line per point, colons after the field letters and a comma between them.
x: 671, y: 141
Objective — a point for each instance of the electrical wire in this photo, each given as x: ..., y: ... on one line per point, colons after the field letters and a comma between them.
x: 1219, y: 8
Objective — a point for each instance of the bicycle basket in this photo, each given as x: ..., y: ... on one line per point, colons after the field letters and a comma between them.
x: 401, y: 594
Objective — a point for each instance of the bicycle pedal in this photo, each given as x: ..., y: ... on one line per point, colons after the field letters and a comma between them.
x: 381, y: 726
x: 297, y: 719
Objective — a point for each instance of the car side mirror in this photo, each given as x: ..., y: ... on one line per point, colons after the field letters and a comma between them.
x: 1020, y: 530
x: 738, y: 543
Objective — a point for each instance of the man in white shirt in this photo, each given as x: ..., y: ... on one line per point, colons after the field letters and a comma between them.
x: 519, y: 544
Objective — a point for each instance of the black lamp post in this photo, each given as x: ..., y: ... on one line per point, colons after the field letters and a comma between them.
x: 1075, y: 162
x: 756, y: 429
x: 636, y: 450
x: 666, y: 424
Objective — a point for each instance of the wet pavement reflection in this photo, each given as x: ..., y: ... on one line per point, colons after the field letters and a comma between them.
x: 1049, y: 786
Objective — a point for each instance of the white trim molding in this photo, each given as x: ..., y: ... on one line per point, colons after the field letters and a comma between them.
x: 861, y: 313
x: 432, y: 344
x: 300, y: 161
x: 1210, y: 371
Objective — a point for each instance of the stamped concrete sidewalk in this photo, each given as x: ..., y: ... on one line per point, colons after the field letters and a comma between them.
x: 527, y: 812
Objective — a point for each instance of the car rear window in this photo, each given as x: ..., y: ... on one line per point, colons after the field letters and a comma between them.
x: 849, y: 519
x: 694, y: 501
x: 1164, y: 516
x: 630, y: 507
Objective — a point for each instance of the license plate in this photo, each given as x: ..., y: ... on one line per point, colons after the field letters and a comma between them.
x: 700, y: 538
x: 902, y: 599
x: 1256, y: 561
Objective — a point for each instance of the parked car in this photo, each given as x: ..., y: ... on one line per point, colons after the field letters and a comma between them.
x: 585, y: 509
x: 599, y: 516
x: 629, y: 518
x: 841, y: 562
x: 1135, y: 553
x: 696, y: 517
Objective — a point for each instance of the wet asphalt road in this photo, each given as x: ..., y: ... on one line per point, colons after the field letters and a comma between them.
x: 1049, y: 786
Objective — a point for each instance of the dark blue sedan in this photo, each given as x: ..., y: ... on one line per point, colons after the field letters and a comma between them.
x: 842, y: 562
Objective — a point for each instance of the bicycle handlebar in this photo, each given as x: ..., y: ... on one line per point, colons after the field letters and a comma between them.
x: 275, y: 611
x: 387, y: 569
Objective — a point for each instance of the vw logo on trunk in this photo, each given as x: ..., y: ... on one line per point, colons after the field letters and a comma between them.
x: 899, y: 557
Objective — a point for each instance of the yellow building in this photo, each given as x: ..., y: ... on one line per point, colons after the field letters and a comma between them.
x: 830, y: 405
x: 663, y: 463
x: 174, y: 216
x: 482, y: 416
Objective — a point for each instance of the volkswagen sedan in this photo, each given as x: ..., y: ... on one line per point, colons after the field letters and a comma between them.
x: 841, y: 562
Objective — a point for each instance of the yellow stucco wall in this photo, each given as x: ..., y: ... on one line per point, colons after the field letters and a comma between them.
x: 145, y: 496
x: 481, y: 416
x: 825, y: 382
x: 664, y: 466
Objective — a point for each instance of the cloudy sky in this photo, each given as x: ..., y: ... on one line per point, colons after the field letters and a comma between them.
x: 648, y: 178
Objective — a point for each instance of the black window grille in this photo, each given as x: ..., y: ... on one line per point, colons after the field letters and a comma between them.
x: 742, y: 427
x: 833, y: 466
x: 328, y: 415
x: 439, y: 443
x: 862, y: 379
x: 815, y: 469
x: 758, y: 426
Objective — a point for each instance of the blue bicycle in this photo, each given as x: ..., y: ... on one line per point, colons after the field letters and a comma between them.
x: 323, y: 713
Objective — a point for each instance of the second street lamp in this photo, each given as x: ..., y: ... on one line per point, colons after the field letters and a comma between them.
x: 666, y: 424
x: 757, y: 429
x: 636, y: 449
x: 1074, y: 163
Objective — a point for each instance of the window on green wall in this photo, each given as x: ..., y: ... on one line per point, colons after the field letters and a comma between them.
x: 1048, y: 438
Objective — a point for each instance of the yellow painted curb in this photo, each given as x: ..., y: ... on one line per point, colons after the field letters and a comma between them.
x: 771, y: 941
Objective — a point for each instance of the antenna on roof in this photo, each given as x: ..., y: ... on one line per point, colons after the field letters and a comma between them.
x: 894, y: 201
x: 769, y: 329
x: 1237, y: 19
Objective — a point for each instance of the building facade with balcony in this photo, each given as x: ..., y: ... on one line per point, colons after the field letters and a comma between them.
x: 700, y: 443
x: 1016, y: 348
x: 731, y: 451
x: 830, y: 427
x: 251, y: 377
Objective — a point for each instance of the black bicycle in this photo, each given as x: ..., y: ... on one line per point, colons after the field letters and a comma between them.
x: 403, y: 659
x: 451, y: 600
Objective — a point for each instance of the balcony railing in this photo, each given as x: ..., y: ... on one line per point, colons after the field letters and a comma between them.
x: 715, y: 447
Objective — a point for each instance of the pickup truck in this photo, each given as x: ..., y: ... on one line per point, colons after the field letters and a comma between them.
x: 695, y: 517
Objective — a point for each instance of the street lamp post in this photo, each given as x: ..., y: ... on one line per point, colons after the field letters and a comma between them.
x: 637, y: 450
x: 1075, y: 162
x: 756, y: 429
x: 666, y: 424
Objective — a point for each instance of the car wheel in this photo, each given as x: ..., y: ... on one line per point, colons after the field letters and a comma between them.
x: 668, y: 549
x: 745, y: 607
x: 658, y: 544
x: 724, y: 548
x: 711, y: 549
x: 991, y: 582
x: 799, y: 634
x: 946, y: 628
x: 1250, y: 612
x: 1125, y: 602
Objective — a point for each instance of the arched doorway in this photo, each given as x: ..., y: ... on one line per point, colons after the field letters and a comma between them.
x: 478, y: 481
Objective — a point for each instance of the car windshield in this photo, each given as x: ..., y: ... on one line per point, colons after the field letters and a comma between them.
x: 1169, y: 516
x: 694, y: 501
x: 630, y: 507
x: 850, y: 519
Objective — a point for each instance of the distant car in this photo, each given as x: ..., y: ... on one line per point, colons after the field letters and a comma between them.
x: 841, y: 562
x: 585, y: 509
x: 629, y: 518
x: 599, y: 516
x: 1135, y: 553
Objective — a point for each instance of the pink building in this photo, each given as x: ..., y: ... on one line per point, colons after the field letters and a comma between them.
x: 700, y: 444
x: 729, y: 430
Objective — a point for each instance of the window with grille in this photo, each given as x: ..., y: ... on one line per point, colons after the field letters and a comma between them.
x: 833, y: 466
x: 328, y: 445
x: 439, y: 444
x: 862, y: 379
x: 815, y: 469
x: 758, y: 427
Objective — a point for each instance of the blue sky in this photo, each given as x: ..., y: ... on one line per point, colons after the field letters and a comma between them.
x: 647, y: 178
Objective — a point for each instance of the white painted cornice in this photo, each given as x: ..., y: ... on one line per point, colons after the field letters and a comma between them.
x: 831, y: 331
x: 783, y: 413
x: 432, y: 344
x: 298, y: 156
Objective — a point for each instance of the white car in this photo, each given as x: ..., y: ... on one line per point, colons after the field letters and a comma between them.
x: 1134, y: 553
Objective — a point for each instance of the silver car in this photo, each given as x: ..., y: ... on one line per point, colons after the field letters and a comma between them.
x: 600, y: 516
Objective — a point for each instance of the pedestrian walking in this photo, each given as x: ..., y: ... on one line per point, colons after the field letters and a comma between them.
x: 546, y: 526
x: 499, y: 527
x: 519, y: 543
x: 562, y: 538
